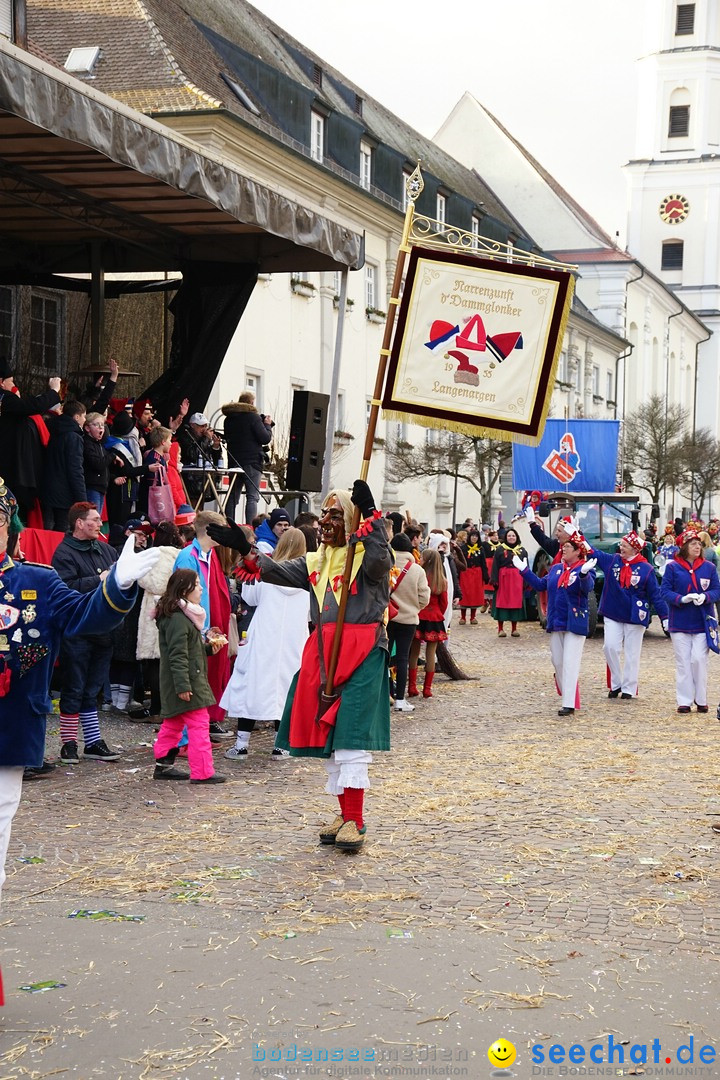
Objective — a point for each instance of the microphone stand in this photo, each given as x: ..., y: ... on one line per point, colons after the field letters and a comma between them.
x: 202, y: 456
x: 246, y: 478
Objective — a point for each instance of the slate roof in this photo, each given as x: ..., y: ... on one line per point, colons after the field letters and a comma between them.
x: 168, y: 56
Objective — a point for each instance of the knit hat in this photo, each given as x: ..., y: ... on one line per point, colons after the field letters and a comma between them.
x: 436, y: 539
x: 687, y: 535
x: 185, y: 514
x: 575, y: 537
x: 401, y: 542
x: 277, y: 515
x: 634, y: 540
x: 122, y: 425
x: 140, y: 405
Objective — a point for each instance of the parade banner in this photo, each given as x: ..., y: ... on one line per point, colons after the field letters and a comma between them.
x: 574, y: 455
x: 476, y: 345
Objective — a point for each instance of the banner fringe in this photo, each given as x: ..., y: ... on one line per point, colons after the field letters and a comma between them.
x: 476, y: 431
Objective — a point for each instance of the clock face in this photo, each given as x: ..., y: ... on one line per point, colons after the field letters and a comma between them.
x: 674, y: 209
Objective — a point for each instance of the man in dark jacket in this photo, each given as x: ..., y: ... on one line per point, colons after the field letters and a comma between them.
x: 64, y: 477
x: 83, y: 561
x: 21, y: 446
x: 201, y: 449
x: 247, y: 433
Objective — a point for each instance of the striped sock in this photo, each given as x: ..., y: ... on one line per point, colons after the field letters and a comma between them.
x: 68, y: 727
x: 90, y: 726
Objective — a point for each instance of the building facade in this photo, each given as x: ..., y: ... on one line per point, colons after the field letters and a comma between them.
x: 674, y: 177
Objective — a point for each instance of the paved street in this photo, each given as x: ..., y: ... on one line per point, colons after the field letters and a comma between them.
x: 524, y: 876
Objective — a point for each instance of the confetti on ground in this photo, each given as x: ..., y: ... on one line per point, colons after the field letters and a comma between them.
x: 104, y: 913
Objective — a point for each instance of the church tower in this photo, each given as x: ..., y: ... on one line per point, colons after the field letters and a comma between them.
x: 674, y: 177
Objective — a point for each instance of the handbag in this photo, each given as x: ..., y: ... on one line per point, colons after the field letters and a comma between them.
x: 233, y: 636
x: 711, y: 632
x: 393, y: 608
x: 161, y: 505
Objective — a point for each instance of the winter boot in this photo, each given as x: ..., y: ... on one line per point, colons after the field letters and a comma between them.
x: 412, y: 683
x: 427, y: 686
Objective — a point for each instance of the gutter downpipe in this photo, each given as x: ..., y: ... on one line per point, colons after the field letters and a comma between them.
x: 694, y: 420
x: 624, y: 357
x: 667, y: 394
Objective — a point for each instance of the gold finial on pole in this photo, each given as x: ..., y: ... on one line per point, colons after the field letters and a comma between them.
x: 414, y: 184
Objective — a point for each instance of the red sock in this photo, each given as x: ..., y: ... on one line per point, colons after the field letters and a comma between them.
x: 341, y: 800
x: 354, y: 805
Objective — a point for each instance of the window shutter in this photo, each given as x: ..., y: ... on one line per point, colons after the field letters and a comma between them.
x: 679, y: 121
x: 672, y: 255
x: 6, y: 19
x: 685, y: 19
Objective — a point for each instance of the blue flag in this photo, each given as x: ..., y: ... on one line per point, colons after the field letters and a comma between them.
x: 573, y: 455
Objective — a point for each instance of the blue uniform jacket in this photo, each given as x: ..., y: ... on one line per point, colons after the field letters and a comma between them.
x: 676, y: 583
x: 567, y: 607
x: 37, y: 610
x: 631, y: 605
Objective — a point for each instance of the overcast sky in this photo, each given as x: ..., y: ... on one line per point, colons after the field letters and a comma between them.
x: 559, y: 74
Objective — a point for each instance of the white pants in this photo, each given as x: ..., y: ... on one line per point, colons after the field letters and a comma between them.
x: 566, y: 652
x: 691, y: 657
x: 619, y: 637
x: 11, y: 779
x: 347, y: 768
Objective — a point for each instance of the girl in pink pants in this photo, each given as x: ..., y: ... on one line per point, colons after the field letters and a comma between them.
x: 185, y: 693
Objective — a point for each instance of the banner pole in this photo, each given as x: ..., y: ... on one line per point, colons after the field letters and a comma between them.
x: 413, y: 187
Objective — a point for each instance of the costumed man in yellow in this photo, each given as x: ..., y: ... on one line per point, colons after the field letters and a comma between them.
x: 358, y: 719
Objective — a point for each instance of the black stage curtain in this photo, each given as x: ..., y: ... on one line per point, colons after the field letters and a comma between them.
x: 207, y: 309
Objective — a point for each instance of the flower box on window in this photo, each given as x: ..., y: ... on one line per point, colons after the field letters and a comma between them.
x: 348, y: 303
x: 342, y: 438
x: 375, y: 315
x: 302, y: 287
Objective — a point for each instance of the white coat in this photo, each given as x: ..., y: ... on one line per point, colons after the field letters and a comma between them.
x: 154, y: 583
x: 266, y: 663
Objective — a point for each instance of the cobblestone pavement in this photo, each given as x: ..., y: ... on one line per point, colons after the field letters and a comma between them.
x: 572, y: 859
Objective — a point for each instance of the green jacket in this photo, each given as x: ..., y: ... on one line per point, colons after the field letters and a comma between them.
x: 183, y: 666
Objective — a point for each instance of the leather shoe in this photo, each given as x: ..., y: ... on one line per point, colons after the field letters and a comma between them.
x: 140, y: 716
x: 566, y: 712
x: 614, y: 693
x: 626, y: 697
x: 167, y: 772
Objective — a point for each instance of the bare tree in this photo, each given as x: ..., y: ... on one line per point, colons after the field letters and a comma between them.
x: 703, y: 459
x: 656, y: 447
x: 479, y: 462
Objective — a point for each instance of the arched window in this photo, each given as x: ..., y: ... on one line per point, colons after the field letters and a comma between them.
x: 679, y: 116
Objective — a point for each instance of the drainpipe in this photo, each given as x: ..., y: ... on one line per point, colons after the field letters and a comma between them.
x: 667, y: 394
x: 617, y: 369
x: 694, y: 419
